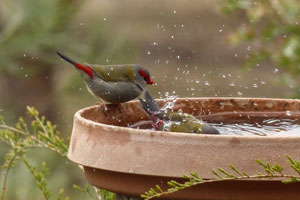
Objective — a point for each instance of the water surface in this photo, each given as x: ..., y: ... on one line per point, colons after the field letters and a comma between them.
x: 251, y: 123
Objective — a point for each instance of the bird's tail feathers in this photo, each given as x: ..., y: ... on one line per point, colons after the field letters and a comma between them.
x: 84, y: 68
x: 69, y: 60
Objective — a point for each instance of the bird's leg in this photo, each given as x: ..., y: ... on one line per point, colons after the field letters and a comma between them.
x: 102, y: 102
x: 117, y: 106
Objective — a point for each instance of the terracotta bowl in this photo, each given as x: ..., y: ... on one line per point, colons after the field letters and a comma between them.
x: 129, y: 161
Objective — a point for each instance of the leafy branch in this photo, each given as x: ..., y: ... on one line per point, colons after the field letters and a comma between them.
x: 10, y: 161
x: 21, y: 138
x: 269, y: 172
x: 272, y: 29
x: 39, y: 177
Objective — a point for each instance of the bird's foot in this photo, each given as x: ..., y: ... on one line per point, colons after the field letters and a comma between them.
x: 104, y: 105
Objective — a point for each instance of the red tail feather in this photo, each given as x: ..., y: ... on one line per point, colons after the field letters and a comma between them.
x: 86, y: 69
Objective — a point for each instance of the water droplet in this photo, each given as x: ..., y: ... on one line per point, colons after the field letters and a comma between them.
x: 275, y: 70
x: 168, y: 106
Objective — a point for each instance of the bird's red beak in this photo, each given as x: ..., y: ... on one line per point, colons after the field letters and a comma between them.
x: 150, y: 82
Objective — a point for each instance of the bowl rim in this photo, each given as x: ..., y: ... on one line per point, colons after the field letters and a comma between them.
x: 78, y: 116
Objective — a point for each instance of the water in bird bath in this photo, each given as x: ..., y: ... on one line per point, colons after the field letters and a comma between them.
x: 260, y: 126
x: 277, y: 123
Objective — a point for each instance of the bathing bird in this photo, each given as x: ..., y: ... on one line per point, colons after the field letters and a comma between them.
x: 166, y: 120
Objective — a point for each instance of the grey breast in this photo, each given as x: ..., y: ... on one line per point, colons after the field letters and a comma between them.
x: 115, y: 92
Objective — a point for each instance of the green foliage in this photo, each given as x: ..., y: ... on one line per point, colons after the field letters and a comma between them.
x: 27, y: 32
x: 272, y: 29
x: 31, y: 31
x: 40, y: 177
x: 40, y: 134
x: 269, y: 172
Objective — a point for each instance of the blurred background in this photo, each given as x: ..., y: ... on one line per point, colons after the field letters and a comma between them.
x: 208, y: 48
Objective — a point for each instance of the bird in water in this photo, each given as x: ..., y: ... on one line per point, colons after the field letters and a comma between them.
x: 113, y: 83
x: 166, y: 120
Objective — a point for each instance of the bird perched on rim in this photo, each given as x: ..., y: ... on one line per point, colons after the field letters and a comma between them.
x: 166, y: 120
x: 113, y: 83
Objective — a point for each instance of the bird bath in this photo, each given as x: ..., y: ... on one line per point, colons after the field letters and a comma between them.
x: 129, y: 161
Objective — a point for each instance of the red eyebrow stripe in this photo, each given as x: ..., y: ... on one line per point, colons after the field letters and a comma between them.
x: 148, y: 79
x: 85, y: 69
x: 142, y: 73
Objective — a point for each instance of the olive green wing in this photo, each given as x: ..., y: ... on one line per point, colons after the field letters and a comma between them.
x: 188, y: 126
x: 175, y: 116
x: 186, y: 123
x: 115, y: 73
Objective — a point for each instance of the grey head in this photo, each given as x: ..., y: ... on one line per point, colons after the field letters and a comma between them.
x: 142, y: 77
